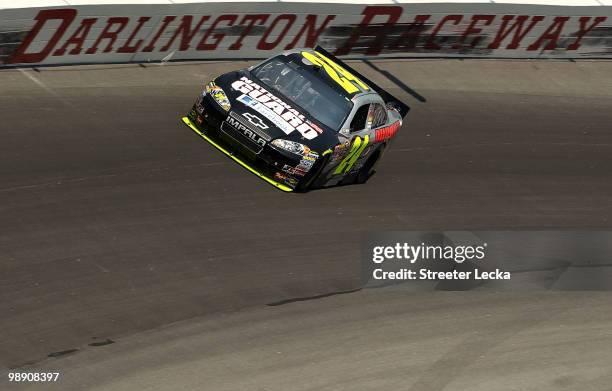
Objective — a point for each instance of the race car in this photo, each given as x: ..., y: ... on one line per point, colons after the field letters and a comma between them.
x: 300, y: 120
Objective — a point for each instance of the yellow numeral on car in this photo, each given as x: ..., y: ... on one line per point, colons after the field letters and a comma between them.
x: 349, y: 160
x: 344, y: 78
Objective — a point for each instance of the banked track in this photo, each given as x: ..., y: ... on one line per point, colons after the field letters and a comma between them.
x: 117, y: 219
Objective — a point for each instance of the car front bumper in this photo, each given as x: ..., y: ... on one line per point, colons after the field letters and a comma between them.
x: 271, y: 164
x: 236, y: 158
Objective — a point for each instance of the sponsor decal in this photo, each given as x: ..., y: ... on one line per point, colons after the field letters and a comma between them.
x: 273, y: 108
x: 293, y: 170
x: 283, y: 177
x: 308, y: 158
x: 340, y: 151
x: 314, y: 126
x: 309, y: 153
x: 305, y: 164
x: 387, y: 132
x: 278, y: 121
x: 291, y: 182
x: 199, y: 105
x: 308, y: 161
x: 280, y: 176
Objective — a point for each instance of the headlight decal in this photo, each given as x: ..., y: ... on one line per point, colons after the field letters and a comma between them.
x: 307, y: 156
x: 291, y: 146
x: 218, y: 95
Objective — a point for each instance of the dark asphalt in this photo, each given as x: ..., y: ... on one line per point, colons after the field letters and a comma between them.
x: 115, y: 218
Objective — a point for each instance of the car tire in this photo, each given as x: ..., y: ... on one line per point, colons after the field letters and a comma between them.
x: 368, y: 168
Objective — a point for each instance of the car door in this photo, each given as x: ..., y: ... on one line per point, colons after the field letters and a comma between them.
x: 358, y: 135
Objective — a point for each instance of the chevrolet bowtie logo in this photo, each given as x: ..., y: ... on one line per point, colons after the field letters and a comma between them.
x: 255, y: 120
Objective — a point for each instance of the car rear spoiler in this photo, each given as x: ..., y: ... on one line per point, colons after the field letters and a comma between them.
x: 387, y: 97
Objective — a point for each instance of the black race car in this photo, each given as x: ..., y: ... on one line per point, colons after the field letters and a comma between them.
x: 299, y: 120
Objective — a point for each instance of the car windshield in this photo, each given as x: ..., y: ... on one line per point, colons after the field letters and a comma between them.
x: 306, y: 89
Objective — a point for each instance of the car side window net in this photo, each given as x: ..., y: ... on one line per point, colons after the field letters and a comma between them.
x: 377, y: 116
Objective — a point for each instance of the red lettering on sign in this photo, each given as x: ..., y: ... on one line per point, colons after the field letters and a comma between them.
x: 392, y: 13
x: 454, y: 19
x: 473, y: 30
x: 66, y: 15
x: 128, y: 47
x: 251, y: 19
x: 584, y: 30
x: 409, y: 38
x: 78, y: 38
x: 263, y: 44
x: 109, y: 33
x: 230, y: 19
x: 312, y: 32
x: 552, y: 34
x: 151, y: 46
x: 187, y: 33
x: 519, y: 34
x: 379, y: 30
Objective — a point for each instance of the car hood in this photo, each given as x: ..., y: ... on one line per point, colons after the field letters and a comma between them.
x: 274, y: 114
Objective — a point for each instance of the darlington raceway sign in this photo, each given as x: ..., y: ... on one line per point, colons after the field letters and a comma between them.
x: 153, y: 33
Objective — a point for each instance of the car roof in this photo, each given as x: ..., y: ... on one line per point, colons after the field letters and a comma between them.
x: 346, y: 82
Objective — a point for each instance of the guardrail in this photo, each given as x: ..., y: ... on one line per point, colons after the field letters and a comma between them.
x: 72, y: 32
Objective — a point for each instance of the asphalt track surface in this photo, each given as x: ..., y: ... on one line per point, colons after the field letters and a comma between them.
x: 117, y: 221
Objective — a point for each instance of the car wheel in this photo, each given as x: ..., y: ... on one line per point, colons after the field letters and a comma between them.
x: 368, y: 168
